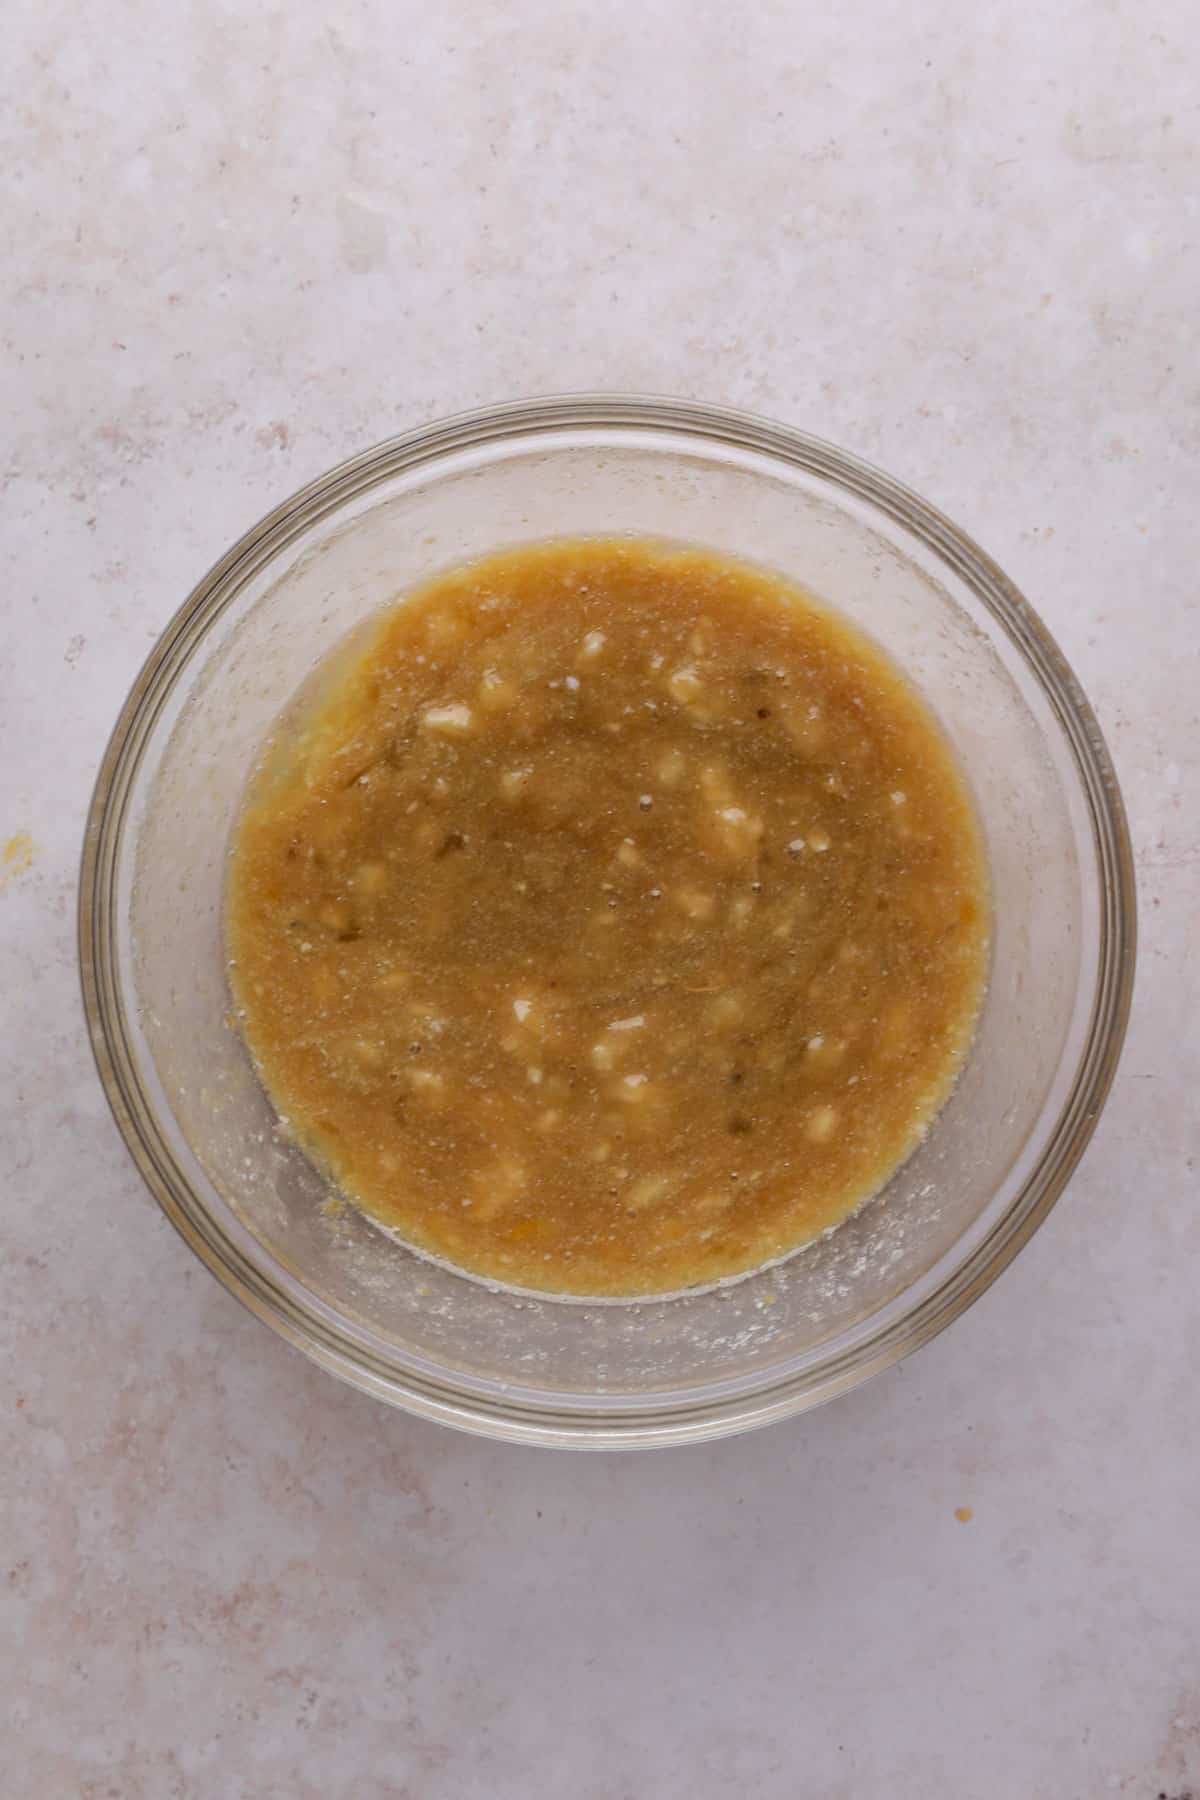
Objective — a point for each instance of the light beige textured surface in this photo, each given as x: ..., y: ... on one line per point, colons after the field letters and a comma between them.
x: 238, y: 247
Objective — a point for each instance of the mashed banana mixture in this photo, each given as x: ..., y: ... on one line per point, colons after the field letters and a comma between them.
x: 608, y: 918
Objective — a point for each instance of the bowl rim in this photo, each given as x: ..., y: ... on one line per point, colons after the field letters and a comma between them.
x: 561, y: 1423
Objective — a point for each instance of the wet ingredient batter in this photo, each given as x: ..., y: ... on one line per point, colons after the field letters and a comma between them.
x: 609, y: 918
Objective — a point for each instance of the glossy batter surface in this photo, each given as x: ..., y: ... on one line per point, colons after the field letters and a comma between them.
x: 609, y: 918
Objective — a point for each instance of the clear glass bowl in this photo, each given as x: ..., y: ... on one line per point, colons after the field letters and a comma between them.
x: 631, y: 1373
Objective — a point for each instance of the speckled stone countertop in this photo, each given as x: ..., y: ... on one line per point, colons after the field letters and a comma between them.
x: 239, y: 244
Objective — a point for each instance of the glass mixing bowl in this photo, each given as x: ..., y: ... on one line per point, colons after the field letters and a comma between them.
x: 565, y: 1372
